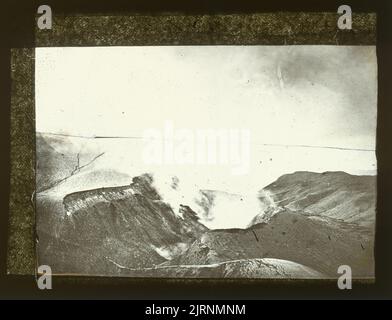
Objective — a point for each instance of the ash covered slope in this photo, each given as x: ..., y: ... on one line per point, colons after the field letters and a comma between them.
x: 322, y: 245
x: 60, y: 158
x: 243, y: 268
x: 318, y: 220
x: 108, y: 228
x: 336, y: 195
x: 52, y: 165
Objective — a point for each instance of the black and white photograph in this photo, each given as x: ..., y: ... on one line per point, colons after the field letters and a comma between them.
x: 252, y: 162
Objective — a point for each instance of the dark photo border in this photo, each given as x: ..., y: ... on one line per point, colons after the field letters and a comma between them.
x: 176, y: 24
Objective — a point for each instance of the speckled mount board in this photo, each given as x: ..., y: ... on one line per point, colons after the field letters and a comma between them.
x: 141, y: 30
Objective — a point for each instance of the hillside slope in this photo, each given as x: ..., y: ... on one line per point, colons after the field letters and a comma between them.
x: 107, y: 227
x: 336, y: 195
x: 320, y: 244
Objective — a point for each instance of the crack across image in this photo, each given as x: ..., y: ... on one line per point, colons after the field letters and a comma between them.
x: 305, y: 207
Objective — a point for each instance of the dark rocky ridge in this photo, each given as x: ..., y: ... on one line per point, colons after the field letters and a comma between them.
x: 321, y: 244
x: 336, y: 195
x: 108, y: 227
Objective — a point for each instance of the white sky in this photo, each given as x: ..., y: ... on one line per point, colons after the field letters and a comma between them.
x: 325, y: 95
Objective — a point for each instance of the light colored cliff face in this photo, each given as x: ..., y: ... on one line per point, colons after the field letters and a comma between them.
x: 86, y: 199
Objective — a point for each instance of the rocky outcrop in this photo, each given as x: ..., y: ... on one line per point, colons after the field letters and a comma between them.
x: 108, y: 227
x: 335, y: 195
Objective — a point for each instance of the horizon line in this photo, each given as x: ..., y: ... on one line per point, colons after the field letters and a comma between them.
x: 263, y: 144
